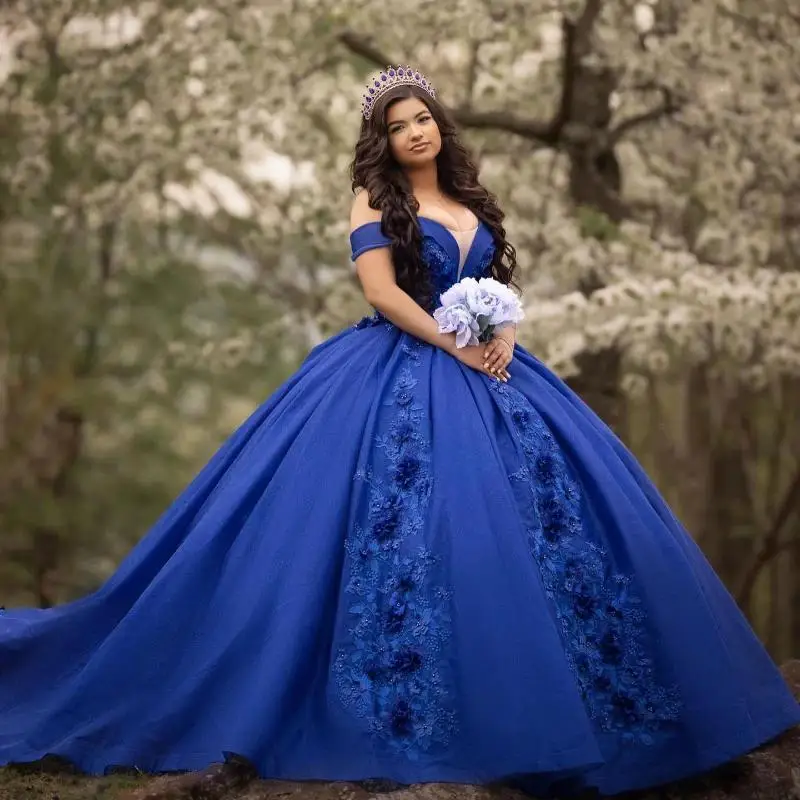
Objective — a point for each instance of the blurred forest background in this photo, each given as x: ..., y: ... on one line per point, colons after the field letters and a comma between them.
x: 173, y: 238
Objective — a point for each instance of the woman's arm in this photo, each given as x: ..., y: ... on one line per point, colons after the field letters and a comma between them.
x: 509, y: 333
x: 378, y: 281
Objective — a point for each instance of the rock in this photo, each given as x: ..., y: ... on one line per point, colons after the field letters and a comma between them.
x: 214, y: 783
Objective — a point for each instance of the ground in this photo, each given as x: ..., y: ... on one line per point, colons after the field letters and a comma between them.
x: 770, y: 773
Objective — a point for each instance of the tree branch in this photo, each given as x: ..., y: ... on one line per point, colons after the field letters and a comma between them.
x: 472, y: 71
x: 569, y: 69
x: 90, y: 354
x: 771, y: 544
x: 584, y: 26
x: 545, y: 133
x: 577, y: 44
x: 359, y: 46
x: 668, y: 106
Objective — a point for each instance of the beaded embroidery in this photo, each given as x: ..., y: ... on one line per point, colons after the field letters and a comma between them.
x: 485, y: 264
x: 597, y: 610
x: 443, y: 269
x: 389, y: 672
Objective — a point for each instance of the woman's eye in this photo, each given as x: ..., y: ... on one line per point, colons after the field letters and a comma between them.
x: 399, y: 128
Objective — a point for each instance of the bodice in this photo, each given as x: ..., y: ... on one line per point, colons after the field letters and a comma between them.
x: 440, y: 251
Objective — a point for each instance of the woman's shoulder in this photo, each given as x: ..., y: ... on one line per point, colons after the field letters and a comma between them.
x: 361, y: 212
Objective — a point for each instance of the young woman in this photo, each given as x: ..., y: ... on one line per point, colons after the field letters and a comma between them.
x: 414, y: 561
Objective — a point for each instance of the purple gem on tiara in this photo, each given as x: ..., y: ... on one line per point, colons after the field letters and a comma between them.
x: 384, y: 78
x: 400, y: 72
x: 416, y: 75
x: 371, y: 90
x: 391, y: 72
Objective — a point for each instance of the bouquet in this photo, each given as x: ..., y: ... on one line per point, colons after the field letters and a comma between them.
x: 474, y: 309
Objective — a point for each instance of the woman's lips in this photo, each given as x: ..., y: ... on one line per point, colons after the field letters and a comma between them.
x: 417, y: 147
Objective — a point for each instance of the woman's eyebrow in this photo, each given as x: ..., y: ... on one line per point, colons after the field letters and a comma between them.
x: 395, y: 121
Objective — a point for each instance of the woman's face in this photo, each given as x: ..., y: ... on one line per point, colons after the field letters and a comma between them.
x: 414, y: 136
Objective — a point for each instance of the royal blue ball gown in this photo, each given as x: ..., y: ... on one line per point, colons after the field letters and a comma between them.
x: 400, y: 568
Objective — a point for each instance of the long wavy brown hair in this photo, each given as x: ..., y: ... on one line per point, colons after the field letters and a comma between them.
x: 375, y: 170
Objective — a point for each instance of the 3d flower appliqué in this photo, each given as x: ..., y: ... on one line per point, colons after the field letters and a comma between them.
x: 389, y: 669
x: 599, y: 615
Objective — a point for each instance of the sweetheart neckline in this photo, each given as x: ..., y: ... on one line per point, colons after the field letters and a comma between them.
x: 448, y: 231
x: 452, y: 233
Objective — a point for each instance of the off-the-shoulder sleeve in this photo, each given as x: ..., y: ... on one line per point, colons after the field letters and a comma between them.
x: 367, y: 237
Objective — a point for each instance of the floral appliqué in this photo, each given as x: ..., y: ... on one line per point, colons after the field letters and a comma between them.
x: 370, y: 320
x: 597, y: 610
x: 389, y: 671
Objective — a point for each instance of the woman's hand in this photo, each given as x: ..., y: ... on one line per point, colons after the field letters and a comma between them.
x: 474, y: 355
x: 499, y: 352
